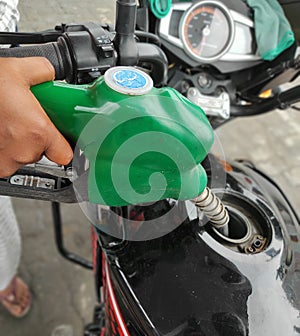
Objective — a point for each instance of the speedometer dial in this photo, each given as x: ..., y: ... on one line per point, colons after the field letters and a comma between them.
x: 207, y: 31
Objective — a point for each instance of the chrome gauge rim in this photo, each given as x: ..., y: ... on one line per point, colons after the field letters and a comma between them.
x: 192, y: 13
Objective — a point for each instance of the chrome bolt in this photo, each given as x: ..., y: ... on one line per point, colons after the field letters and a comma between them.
x: 192, y: 92
x: 203, y: 80
x: 71, y: 174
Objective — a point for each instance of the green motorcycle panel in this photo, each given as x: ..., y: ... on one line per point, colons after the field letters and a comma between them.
x: 140, y: 148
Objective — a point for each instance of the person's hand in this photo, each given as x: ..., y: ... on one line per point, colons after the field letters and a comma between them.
x: 26, y: 132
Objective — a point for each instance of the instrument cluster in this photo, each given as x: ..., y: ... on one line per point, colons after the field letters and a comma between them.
x: 209, y: 32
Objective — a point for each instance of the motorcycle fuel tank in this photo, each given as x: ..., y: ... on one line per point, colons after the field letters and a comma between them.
x: 196, y: 281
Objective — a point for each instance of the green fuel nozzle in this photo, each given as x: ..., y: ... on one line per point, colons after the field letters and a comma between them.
x: 143, y: 144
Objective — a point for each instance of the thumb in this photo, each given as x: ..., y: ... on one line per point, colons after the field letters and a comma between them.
x: 34, y: 70
x: 29, y: 70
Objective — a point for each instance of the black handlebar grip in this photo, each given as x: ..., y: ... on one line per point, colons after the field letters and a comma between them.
x: 56, y: 53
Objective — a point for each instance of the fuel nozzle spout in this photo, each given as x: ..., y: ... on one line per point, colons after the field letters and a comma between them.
x: 214, y: 209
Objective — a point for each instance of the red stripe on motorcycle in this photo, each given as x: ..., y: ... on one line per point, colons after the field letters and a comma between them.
x: 122, y: 328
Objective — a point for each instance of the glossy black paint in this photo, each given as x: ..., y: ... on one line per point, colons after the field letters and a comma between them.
x: 188, y: 283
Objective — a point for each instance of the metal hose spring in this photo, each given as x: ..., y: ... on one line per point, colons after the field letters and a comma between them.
x: 213, y: 208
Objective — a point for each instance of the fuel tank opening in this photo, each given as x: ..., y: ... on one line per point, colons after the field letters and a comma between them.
x: 248, y: 230
x: 238, y: 229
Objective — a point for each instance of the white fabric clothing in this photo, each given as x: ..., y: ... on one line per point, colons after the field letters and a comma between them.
x: 9, y: 15
x: 10, y: 242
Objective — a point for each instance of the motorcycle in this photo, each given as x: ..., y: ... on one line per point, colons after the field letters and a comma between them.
x: 237, y: 278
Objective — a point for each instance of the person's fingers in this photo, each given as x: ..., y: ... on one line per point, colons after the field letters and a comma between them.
x: 26, y: 132
x: 58, y: 149
x: 8, y: 167
x: 29, y: 132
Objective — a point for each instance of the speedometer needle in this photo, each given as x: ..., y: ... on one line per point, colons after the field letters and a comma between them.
x: 205, y: 32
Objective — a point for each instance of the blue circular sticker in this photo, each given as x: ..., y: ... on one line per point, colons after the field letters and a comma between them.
x: 128, y: 80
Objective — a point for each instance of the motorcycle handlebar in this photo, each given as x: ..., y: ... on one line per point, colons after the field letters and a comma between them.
x: 55, y: 52
x: 280, y: 101
x: 79, y: 58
